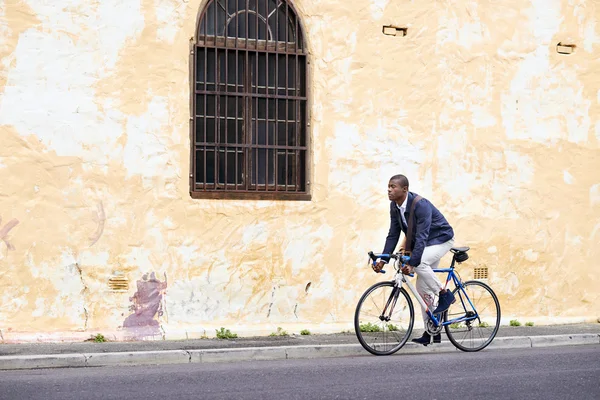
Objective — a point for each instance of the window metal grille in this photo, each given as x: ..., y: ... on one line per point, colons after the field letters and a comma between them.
x: 250, y: 102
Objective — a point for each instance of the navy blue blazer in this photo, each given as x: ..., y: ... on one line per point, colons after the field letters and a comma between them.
x: 429, y: 228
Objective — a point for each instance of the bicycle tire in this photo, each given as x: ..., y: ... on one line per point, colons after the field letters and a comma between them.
x: 372, y: 347
x: 451, y: 334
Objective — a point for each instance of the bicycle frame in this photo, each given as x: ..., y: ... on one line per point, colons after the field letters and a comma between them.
x: 462, y: 294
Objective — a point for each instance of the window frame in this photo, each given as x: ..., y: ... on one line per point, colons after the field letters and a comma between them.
x: 254, y: 191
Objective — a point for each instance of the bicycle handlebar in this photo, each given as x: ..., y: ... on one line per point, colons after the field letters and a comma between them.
x: 396, y: 256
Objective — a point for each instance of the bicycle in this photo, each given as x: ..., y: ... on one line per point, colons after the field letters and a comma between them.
x: 374, y: 325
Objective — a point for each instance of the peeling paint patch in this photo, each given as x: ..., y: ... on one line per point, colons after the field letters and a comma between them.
x: 595, y: 195
x: 567, y: 177
x: 255, y: 234
x: 377, y: 7
x: 147, y: 151
x: 531, y: 255
x: 304, y: 244
x: 461, y: 26
x: 39, y: 308
x: 72, y: 126
x: 169, y: 14
x: 103, y: 26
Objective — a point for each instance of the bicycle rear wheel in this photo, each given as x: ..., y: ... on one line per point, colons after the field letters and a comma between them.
x: 384, y: 318
x: 480, y: 302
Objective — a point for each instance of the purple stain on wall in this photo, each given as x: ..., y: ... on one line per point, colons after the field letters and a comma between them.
x: 147, y: 306
x: 4, y: 231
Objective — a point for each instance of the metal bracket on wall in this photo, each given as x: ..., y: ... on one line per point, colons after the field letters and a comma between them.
x: 562, y: 48
x: 394, y: 30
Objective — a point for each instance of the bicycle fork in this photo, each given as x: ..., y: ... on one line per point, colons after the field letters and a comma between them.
x: 386, y: 314
x: 400, y: 279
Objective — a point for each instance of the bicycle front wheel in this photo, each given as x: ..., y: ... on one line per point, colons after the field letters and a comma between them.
x: 384, y: 319
x: 478, y: 308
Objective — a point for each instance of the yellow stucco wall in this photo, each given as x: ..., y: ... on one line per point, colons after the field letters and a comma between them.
x: 475, y: 105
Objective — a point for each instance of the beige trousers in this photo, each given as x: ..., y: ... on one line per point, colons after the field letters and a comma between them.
x: 428, y: 285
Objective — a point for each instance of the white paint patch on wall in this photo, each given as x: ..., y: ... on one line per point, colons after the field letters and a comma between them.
x: 147, y: 151
x: 91, y: 259
x: 306, y: 245
x: 169, y: 14
x: 60, y: 112
x: 140, y: 257
x: 256, y: 233
x: 587, y: 25
x: 11, y: 305
x: 595, y: 195
x: 377, y: 8
x: 40, y: 308
x: 567, y: 177
x: 464, y: 30
x: 545, y: 105
x: 545, y: 101
x: 5, y: 31
x: 531, y: 255
x: 194, y: 301
x: 355, y: 155
x: 101, y: 27
x: 470, y: 175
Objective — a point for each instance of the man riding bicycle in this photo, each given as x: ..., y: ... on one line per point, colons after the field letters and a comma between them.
x: 430, y: 237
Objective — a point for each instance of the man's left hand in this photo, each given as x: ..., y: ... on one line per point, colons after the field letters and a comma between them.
x: 407, y: 270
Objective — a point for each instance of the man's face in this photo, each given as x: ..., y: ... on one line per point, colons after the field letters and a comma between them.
x: 396, y: 192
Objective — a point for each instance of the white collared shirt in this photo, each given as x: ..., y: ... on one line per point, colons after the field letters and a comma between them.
x: 402, y: 209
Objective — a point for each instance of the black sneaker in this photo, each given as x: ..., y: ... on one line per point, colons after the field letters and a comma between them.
x: 426, y: 339
x: 446, y: 299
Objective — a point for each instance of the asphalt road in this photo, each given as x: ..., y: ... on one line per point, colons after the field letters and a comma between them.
x: 548, y: 373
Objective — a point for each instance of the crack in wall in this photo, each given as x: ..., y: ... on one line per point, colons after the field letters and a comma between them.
x: 272, y: 301
x: 84, y: 293
x: 296, y: 309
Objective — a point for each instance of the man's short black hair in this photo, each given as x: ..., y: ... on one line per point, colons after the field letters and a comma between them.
x: 402, y: 180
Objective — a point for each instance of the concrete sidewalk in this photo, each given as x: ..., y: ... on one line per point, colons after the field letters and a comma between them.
x: 87, y: 354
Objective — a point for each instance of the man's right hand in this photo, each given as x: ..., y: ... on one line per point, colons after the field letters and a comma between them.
x: 378, y: 266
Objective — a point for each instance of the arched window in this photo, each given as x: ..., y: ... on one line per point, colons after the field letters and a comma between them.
x: 249, y: 126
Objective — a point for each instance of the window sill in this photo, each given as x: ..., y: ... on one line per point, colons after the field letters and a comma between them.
x: 223, y: 195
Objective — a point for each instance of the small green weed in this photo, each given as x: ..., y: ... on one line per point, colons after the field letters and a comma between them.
x: 280, y: 332
x: 99, y: 338
x: 226, y: 334
x: 514, y: 322
x: 305, y: 332
x: 528, y: 323
x: 484, y: 324
x: 392, y: 327
x: 369, y: 327
x: 456, y: 325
